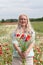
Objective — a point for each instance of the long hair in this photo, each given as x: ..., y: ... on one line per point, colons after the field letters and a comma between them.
x: 29, y: 26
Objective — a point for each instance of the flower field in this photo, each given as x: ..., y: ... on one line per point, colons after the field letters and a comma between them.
x: 38, y: 50
x: 6, y: 47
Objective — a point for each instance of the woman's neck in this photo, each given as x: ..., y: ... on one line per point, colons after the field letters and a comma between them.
x: 24, y: 26
x: 24, y: 29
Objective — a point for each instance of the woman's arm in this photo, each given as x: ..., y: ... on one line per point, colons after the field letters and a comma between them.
x: 31, y: 44
x: 29, y: 48
x: 19, y: 51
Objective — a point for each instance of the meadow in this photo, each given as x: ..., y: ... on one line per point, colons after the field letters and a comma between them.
x: 38, y: 26
x: 6, y: 47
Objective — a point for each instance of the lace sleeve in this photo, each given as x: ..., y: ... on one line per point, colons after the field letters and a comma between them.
x: 14, y: 41
x: 33, y: 37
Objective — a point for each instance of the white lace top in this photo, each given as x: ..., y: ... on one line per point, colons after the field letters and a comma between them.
x: 14, y: 41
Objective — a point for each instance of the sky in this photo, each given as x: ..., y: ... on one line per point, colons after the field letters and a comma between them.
x: 13, y: 8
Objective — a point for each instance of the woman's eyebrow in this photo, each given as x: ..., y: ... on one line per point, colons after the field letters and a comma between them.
x: 24, y: 18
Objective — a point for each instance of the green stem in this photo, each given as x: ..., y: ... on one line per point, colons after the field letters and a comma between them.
x: 23, y: 61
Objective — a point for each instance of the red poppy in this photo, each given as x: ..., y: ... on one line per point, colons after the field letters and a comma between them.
x: 35, y: 61
x: 0, y: 52
x: 38, y: 49
x: 7, y: 48
x: 22, y: 36
x: 0, y: 48
x: 17, y: 35
x: 27, y: 38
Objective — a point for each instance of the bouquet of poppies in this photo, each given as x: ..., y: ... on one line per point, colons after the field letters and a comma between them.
x: 24, y: 42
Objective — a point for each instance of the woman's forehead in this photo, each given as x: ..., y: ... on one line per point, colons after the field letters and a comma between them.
x: 22, y: 16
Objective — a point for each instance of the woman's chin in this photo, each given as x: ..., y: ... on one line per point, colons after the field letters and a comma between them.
x: 23, y: 25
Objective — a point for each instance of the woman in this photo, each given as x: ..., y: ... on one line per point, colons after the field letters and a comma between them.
x: 24, y: 27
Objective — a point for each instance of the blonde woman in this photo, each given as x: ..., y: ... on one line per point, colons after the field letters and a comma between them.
x: 25, y: 27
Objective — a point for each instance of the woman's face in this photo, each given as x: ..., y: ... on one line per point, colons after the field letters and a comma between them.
x: 23, y: 20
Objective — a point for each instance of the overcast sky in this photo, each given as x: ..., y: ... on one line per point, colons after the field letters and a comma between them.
x: 13, y: 8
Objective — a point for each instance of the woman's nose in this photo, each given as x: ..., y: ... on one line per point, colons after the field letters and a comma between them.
x: 22, y: 19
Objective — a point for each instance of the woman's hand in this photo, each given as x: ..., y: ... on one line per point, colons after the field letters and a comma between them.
x: 25, y: 54
x: 22, y: 54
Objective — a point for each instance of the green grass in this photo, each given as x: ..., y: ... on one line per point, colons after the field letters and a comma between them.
x: 38, y: 26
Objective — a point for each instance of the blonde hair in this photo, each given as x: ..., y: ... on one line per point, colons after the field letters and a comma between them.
x: 29, y: 26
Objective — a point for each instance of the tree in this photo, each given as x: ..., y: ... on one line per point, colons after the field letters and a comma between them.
x: 2, y: 20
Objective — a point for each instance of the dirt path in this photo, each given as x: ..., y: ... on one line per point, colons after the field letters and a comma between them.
x: 8, y: 23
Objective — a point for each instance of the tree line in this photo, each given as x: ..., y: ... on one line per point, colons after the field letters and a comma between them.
x: 16, y: 20
x: 36, y: 19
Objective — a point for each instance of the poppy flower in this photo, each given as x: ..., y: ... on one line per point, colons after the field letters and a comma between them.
x: 0, y: 48
x: 27, y: 38
x: 17, y: 35
x: 7, y: 48
x: 38, y: 49
x: 35, y: 61
x: 0, y: 52
x: 22, y: 36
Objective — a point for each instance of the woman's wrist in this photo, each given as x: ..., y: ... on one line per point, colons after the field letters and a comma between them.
x: 19, y: 52
x: 26, y: 52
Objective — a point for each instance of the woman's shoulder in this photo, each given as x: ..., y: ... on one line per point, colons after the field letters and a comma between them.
x: 13, y: 34
x: 16, y: 31
x: 31, y: 32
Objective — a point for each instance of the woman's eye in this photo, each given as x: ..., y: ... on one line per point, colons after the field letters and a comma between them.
x: 23, y: 19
